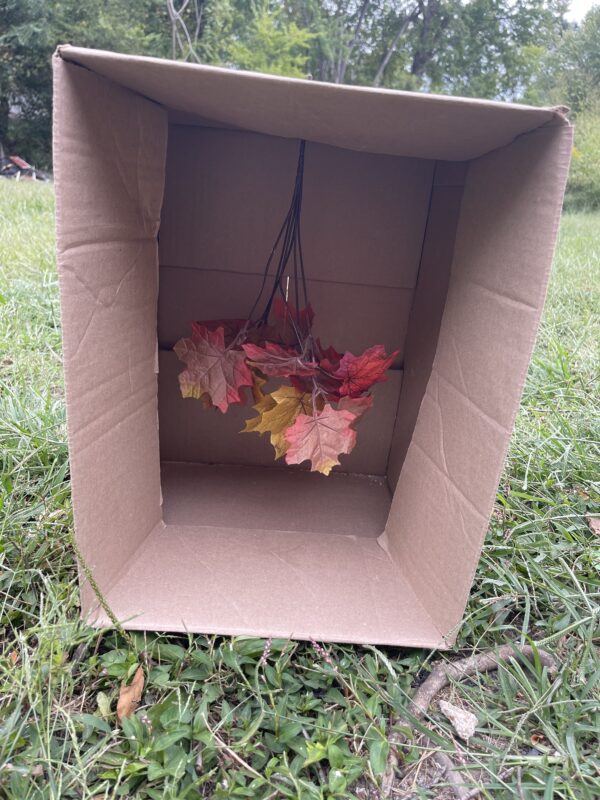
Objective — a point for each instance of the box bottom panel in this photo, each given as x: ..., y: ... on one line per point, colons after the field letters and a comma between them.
x: 274, y: 498
x: 269, y: 583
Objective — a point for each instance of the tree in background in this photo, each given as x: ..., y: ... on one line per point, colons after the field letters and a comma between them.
x: 272, y: 42
x: 30, y: 31
x: 571, y: 70
x: 504, y: 49
x: 571, y: 75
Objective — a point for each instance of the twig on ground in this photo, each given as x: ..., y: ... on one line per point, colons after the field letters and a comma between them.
x: 440, y: 676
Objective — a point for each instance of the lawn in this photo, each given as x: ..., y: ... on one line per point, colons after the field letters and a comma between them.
x: 227, y: 717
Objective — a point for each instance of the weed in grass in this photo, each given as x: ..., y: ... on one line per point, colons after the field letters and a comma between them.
x: 227, y: 718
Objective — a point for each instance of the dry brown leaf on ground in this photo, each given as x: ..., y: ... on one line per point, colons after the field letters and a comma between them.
x: 593, y: 524
x: 463, y: 722
x: 130, y: 695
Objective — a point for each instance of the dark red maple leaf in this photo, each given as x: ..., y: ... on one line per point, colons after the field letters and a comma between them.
x: 213, y: 370
x: 277, y: 361
x: 231, y: 327
x: 329, y: 358
x: 288, y: 319
x: 358, y: 373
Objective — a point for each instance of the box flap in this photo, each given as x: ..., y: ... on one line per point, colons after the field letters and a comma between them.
x: 358, y: 118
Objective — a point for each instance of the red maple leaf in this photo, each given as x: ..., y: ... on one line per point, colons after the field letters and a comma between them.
x: 358, y: 373
x: 277, y: 361
x: 329, y: 357
x: 231, y: 327
x: 287, y: 316
x: 212, y: 369
x: 320, y: 438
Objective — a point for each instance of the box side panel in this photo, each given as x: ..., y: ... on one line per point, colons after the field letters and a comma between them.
x: 503, y: 252
x: 428, y: 305
x: 362, y: 229
x: 109, y: 153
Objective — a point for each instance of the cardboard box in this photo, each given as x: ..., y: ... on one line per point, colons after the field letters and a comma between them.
x: 428, y: 226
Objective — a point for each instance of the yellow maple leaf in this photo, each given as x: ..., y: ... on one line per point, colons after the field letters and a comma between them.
x: 276, y: 412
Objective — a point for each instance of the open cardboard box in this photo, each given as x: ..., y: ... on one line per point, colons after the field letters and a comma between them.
x: 428, y: 226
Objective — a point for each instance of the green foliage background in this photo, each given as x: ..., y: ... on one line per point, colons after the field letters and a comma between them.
x: 522, y: 50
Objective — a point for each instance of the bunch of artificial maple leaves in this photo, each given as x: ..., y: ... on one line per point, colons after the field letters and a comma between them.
x: 320, y: 394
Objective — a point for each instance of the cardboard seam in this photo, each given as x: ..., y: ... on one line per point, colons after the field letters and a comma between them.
x: 382, y: 541
x: 59, y: 53
x: 121, y: 573
x: 406, y: 379
x: 309, y: 279
x: 58, y: 228
x: 405, y: 382
x: 223, y: 531
x: 338, y: 474
x: 556, y: 121
x: 134, y: 624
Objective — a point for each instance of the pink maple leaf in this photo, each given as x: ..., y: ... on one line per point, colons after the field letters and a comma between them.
x: 320, y: 438
x: 357, y: 406
x: 212, y: 369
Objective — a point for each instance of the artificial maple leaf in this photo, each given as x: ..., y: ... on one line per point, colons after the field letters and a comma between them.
x: 285, y: 314
x: 212, y: 369
x: 130, y: 696
x: 231, y: 327
x: 358, y: 373
x: 329, y: 357
x: 276, y: 413
x: 277, y: 361
x: 257, y: 387
x: 357, y: 406
x: 320, y: 438
x: 264, y: 403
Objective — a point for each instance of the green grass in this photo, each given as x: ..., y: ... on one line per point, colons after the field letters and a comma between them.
x: 216, y: 721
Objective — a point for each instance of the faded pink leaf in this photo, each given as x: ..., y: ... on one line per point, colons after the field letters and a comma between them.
x: 320, y: 438
x: 212, y: 369
x: 357, y: 406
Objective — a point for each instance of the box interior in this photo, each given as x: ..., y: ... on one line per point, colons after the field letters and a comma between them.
x: 364, y: 223
x: 428, y: 226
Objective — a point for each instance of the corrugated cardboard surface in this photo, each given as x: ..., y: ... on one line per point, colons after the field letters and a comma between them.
x: 456, y: 281
x: 270, y: 583
x: 379, y: 121
x: 107, y: 143
x: 504, y: 245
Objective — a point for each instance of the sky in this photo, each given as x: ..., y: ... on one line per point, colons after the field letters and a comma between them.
x: 579, y: 8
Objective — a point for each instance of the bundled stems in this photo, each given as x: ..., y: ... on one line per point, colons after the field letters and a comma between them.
x: 291, y: 248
